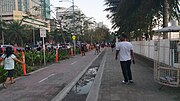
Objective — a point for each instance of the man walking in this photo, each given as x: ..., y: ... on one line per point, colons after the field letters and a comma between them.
x: 126, y: 55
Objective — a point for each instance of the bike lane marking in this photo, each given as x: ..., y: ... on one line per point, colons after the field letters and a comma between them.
x: 46, y: 78
x: 73, y: 62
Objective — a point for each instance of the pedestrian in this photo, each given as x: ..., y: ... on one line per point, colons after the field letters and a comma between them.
x: 112, y: 46
x: 83, y: 49
x: 97, y: 50
x: 8, y: 57
x: 126, y: 55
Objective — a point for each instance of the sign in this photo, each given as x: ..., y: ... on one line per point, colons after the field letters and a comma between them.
x: 156, y: 45
x: 17, y: 15
x: 42, y: 32
x: 74, y: 37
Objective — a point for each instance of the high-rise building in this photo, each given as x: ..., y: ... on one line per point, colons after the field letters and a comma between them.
x: 31, y: 12
x: 68, y: 21
x: 46, y: 8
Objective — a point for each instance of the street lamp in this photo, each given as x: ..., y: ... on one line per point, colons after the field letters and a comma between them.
x: 74, y: 41
x: 1, y: 23
x: 89, y: 22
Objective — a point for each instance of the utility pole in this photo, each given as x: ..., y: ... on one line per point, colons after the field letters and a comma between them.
x: 74, y: 41
x: 1, y: 23
x: 73, y: 27
x: 34, y: 41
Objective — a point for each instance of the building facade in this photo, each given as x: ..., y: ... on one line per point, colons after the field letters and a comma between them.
x: 46, y: 8
x: 70, y: 21
x: 28, y: 11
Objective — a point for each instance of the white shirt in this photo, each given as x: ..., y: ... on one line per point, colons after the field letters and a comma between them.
x: 124, y: 50
x: 8, y: 62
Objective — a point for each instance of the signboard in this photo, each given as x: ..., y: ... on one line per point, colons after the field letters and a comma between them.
x: 17, y: 15
x: 74, y: 37
x: 42, y: 32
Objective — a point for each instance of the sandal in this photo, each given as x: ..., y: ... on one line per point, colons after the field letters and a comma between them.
x: 4, y: 85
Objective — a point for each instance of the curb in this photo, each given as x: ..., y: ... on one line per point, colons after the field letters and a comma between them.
x: 60, y: 96
x: 94, y: 90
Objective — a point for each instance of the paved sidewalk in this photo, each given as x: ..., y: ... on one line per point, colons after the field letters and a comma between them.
x: 143, y: 89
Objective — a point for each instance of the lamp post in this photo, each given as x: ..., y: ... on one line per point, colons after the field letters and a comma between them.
x: 2, y: 24
x: 73, y: 16
x: 89, y: 23
x: 34, y: 42
x: 74, y: 41
x: 73, y: 27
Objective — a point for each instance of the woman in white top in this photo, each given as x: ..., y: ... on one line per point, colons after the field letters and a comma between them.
x: 8, y: 57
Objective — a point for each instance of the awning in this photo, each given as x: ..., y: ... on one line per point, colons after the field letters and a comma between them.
x: 169, y: 29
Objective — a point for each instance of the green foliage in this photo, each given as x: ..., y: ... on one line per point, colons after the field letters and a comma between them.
x: 64, y: 54
x: 16, y: 33
x: 136, y: 17
x: 3, y: 74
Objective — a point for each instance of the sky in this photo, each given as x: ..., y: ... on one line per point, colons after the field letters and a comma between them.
x: 91, y: 8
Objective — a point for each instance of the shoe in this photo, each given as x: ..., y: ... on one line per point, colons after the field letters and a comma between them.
x: 13, y: 82
x: 131, y: 81
x: 4, y: 85
x: 125, y: 82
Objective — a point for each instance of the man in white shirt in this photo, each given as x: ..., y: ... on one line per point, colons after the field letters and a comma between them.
x: 126, y: 55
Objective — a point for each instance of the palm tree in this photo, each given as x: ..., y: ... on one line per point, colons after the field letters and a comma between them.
x: 2, y: 30
x: 137, y: 16
x: 165, y: 17
x: 16, y: 32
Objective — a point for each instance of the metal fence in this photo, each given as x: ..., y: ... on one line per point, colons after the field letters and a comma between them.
x: 165, y: 55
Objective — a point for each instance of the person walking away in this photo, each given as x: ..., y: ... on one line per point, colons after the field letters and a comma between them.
x: 8, y: 57
x: 83, y: 49
x: 112, y: 46
x: 97, y: 46
x: 126, y: 55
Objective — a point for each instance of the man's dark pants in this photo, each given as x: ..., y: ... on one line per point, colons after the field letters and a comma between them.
x: 126, y: 70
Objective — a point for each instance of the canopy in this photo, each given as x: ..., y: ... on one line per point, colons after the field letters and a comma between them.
x: 169, y: 29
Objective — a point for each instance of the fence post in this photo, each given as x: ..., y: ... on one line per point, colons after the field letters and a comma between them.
x: 23, y: 65
x: 57, y: 55
x: 72, y: 52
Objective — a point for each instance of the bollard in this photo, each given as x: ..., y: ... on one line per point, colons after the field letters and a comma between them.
x: 23, y: 65
x: 56, y: 54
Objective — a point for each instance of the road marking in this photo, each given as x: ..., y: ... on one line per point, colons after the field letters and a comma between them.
x: 46, y: 78
x: 73, y: 62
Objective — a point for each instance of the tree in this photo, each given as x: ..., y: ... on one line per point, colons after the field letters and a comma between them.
x: 165, y: 17
x: 2, y: 29
x: 137, y: 16
x: 16, y: 33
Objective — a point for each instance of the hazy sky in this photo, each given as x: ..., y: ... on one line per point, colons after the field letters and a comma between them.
x: 91, y: 8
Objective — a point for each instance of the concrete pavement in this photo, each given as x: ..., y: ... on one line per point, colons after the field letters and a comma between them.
x: 143, y: 89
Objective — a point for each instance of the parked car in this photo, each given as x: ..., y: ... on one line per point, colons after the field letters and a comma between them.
x: 15, y: 48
